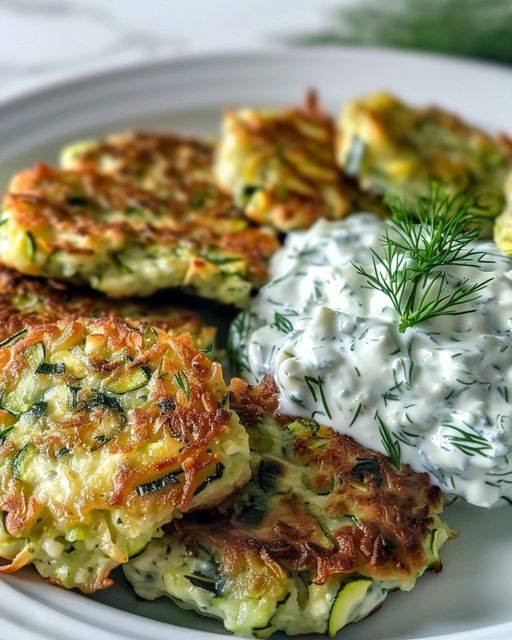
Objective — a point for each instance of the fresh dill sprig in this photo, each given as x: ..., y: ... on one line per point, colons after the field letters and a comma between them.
x: 418, y: 244
x: 238, y: 337
x: 391, y: 446
x: 182, y: 382
x: 318, y: 392
x: 282, y: 323
x: 356, y: 415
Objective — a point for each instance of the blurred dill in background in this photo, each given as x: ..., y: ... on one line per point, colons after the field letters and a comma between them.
x: 474, y: 28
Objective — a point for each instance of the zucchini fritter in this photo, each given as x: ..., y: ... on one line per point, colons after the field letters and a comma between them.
x: 503, y: 225
x: 316, y: 540
x: 87, y: 227
x: 108, y: 430
x: 280, y: 166
x: 163, y: 163
x: 391, y: 147
x: 25, y: 302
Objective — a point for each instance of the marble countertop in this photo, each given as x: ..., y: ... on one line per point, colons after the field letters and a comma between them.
x: 47, y: 40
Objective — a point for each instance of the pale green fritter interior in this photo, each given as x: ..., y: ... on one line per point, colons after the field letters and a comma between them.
x: 391, y: 147
x: 133, y: 270
x: 224, y: 572
x: 98, y: 452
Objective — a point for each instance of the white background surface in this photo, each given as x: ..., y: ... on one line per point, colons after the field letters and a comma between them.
x: 44, y: 40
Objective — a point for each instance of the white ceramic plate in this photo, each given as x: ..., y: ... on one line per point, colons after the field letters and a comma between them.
x: 471, y: 598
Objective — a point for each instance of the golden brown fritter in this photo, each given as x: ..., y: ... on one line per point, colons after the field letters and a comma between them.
x: 503, y: 224
x: 87, y: 227
x: 108, y: 430
x: 163, y: 163
x: 396, y: 505
x: 318, y: 537
x: 280, y: 165
x: 392, y: 147
x: 167, y: 164
x: 26, y: 302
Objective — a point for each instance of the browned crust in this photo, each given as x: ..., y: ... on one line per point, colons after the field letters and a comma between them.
x: 21, y: 560
x: 178, y: 159
x: 57, y: 301
x: 175, y: 168
x: 283, y: 124
x: 252, y: 404
x: 188, y: 428
x: 282, y: 136
x: 505, y: 142
x: 394, y: 508
x: 39, y: 202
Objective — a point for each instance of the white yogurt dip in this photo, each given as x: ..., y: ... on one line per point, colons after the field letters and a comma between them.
x: 437, y: 396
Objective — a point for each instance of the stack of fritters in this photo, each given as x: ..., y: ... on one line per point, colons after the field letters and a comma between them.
x: 324, y: 529
x: 27, y: 302
x: 113, y: 421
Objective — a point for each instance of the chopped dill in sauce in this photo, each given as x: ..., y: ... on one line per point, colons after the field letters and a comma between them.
x: 435, y: 396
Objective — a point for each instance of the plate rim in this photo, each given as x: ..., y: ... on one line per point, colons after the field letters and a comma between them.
x: 70, y: 81
x: 500, y: 631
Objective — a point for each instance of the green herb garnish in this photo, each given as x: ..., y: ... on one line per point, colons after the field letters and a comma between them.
x: 182, y: 382
x: 316, y: 388
x: 239, y: 332
x: 419, y: 243
x: 282, y: 323
x: 356, y: 415
x: 391, y: 446
x: 469, y: 441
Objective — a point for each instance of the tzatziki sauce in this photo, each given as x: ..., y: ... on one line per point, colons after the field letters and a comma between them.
x: 438, y: 396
